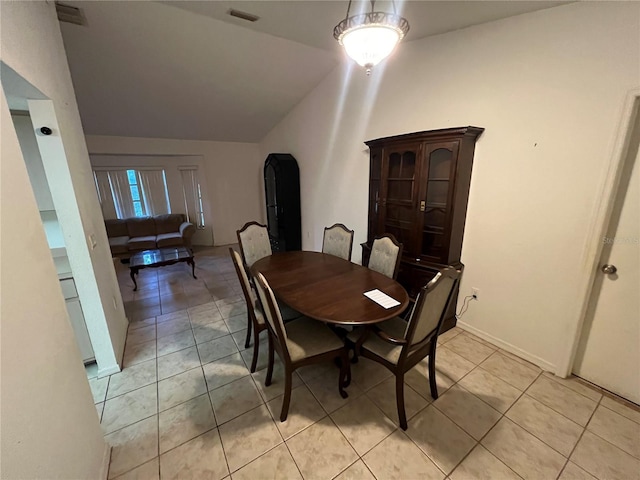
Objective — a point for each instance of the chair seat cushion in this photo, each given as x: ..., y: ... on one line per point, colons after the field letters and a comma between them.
x: 307, y: 337
x: 142, y: 243
x: 173, y: 239
x: 119, y: 244
x: 395, y: 327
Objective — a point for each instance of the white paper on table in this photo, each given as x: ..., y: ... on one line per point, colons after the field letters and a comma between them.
x: 381, y: 298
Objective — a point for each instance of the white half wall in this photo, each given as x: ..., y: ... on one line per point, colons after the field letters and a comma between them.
x: 549, y: 89
x: 232, y: 173
x: 35, y: 169
x: 49, y: 424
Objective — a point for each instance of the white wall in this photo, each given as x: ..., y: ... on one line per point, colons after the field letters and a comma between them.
x: 66, y: 165
x: 232, y: 173
x: 49, y: 424
x: 32, y: 47
x: 549, y: 89
x: 38, y: 178
x: 35, y: 169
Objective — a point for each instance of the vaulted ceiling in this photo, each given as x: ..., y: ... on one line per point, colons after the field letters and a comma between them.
x: 188, y: 70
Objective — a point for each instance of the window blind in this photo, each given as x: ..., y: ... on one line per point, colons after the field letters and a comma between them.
x: 192, y: 196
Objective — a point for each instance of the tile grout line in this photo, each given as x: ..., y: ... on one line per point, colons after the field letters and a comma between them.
x: 479, y: 442
x: 604, y: 439
x: 263, y: 453
x: 287, y: 445
x: 560, y: 413
x: 396, y: 427
x: 545, y: 405
x: 578, y: 441
x: 617, y: 413
x: 157, y: 399
x: 157, y: 381
x: 551, y: 376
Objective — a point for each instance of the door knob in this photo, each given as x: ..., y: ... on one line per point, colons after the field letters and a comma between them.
x: 609, y: 269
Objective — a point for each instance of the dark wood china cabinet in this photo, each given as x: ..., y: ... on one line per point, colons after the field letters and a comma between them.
x: 418, y: 191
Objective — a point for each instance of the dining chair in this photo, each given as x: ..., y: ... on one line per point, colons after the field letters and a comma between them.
x: 399, y: 344
x: 255, y: 315
x: 386, y: 253
x: 303, y: 341
x: 338, y: 241
x: 254, y: 242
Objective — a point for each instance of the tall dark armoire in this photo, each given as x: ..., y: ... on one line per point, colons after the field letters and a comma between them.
x: 282, y: 190
x: 418, y: 191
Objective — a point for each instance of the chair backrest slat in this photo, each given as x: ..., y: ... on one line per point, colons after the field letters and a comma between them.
x: 338, y: 241
x: 385, y: 255
x: 244, y: 279
x: 431, y: 306
x: 254, y: 242
x: 271, y: 310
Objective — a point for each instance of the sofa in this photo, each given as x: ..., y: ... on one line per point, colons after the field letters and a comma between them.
x: 130, y: 235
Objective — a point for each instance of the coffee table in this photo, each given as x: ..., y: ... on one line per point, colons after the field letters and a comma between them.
x: 160, y: 258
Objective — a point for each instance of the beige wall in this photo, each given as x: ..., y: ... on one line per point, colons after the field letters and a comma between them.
x: 233, y: 174
x: 549, y: 89
x: 49, y: 424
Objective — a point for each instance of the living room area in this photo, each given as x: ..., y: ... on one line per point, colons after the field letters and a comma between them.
x: 187, y: 103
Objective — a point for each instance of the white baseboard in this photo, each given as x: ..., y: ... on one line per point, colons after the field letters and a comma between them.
x: 543, y: 364
x: 106, y: 460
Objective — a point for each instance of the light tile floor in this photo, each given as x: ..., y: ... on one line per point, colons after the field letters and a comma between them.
x: 185, y: 405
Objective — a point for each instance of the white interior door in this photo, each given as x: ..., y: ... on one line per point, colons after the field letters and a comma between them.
x: 609, y: 350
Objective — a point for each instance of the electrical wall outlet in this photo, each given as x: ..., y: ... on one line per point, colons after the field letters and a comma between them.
x: 475, y: 293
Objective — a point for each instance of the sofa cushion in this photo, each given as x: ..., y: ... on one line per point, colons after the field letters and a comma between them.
x: 169, y: 223
x: 119, y: 244
x: 173, y: 239
x: 116, y: 228
x: 142, y: 243
x: 141, y: 226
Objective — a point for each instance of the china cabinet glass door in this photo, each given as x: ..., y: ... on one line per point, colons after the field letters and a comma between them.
x: 436, y: 199
x: 400, y: 173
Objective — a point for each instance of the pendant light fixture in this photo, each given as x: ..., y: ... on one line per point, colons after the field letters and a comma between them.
x: 370, y: 37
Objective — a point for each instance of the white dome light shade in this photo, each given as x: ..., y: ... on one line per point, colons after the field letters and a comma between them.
x: 369, y: 45
x: 369, y: 38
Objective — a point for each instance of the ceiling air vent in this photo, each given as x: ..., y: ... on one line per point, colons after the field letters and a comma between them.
x: 243, y: 15
x: 69, y: 14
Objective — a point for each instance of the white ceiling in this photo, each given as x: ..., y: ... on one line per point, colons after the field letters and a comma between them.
x: 188, y: 70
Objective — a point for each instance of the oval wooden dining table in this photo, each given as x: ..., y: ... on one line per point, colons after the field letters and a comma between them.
x: 328, y: 288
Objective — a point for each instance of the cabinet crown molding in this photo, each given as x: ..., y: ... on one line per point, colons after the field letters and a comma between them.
x: 443, y: 133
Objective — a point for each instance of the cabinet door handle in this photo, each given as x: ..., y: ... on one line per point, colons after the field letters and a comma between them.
x: 422, y: 206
